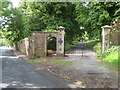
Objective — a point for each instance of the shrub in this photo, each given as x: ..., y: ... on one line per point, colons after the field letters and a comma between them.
x: 109, y: 51
x: 111, y: 55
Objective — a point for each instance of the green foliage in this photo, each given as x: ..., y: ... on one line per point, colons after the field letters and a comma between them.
x: 95, y: 15
x: 95, y: 45
x: 39, y: 16
x: 4, y: 11
x: 4, y: 7
x: 70, y: 44
x: 117, y: 12
x: 111, y: 55
x: 112, y: 59
x: 85, y: 35
x: 111, y: 50
x: 14, y: 32
x: 49, y: 16
x: 42, y: 16
x: 97, y: 48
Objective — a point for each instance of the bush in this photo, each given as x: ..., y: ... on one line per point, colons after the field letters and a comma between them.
x: 109, y: 51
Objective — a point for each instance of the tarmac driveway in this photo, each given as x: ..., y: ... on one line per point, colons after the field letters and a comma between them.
x: 15, y: 74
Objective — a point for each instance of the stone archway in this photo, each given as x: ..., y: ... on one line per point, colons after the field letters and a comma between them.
x: 36, y: 45
x: 40, y: 42
x: 51, y: 46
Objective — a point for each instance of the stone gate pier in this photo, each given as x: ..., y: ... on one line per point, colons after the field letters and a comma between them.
x: 110, y: 37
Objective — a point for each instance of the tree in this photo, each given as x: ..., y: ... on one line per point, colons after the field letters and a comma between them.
x: 41, y: 16
x: 102, y: 14
x: 96, y: 15
x: 14, y: 31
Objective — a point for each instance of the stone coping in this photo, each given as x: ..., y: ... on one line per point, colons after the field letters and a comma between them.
x: 45, y: 31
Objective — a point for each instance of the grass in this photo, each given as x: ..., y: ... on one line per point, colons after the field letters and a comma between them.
x: 111, y: 56
x: 92, y: 43
x: 57, y: 62
x: 112, y: 59
x: 95, y: 45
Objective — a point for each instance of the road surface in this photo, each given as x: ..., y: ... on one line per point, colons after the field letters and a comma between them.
x: 16, y: 74
x: 89, y: 68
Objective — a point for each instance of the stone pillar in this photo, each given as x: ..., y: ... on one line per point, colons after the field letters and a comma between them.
x: 33, y: 45
x: 26, y: 45
x: 60, y: 41
x: 105, y: 37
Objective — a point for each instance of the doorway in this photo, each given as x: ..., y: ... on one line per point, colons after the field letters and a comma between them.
x: 51, y: 46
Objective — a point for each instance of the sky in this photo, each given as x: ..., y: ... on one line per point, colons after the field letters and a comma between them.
x: 15, y: 2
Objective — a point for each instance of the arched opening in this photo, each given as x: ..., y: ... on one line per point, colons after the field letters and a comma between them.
x: 51, y: 46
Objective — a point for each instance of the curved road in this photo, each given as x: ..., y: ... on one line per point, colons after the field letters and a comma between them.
x: 15, y: 74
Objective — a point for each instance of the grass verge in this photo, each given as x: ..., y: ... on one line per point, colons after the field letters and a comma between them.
x: 111, y: 56
x: 57, y: 62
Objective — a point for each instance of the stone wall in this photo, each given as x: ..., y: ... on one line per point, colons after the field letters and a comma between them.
x: 36, y: 45
x: 30, y: 48
x: 115, y: 38
x: 21, y: 46
x: 25, y: 46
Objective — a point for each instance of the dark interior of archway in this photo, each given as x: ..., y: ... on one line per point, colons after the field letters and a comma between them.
x: 51, y: 46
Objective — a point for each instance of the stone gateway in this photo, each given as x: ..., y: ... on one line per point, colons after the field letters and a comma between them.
x: 36, y: 45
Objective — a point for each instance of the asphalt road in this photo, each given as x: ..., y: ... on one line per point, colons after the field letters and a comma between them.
x: 15, y: 74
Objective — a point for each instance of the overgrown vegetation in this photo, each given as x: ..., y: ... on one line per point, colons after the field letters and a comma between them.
x: 111, y: 55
